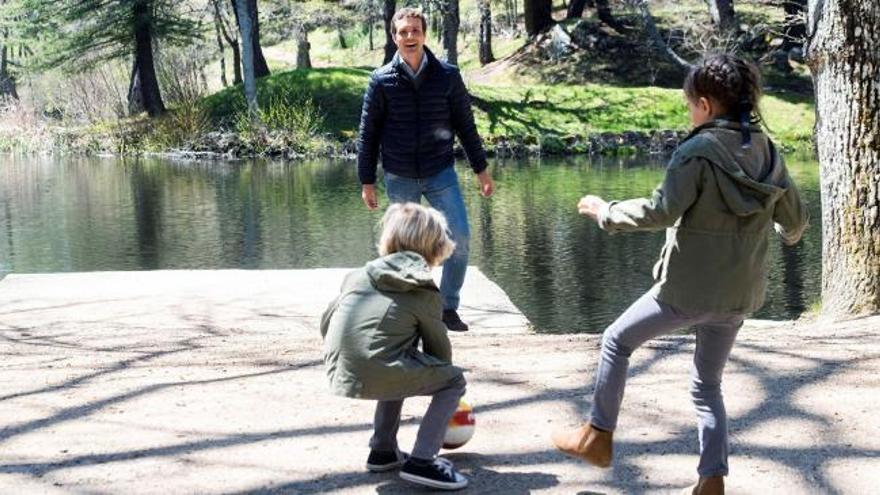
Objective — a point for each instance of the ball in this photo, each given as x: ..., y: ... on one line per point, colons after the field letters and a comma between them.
x: 461, y: 427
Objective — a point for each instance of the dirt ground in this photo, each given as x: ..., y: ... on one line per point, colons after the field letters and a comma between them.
x: 212, y: 382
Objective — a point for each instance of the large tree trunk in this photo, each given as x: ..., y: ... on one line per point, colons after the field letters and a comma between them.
x: 388, y: 11
x: 722, y: 14
x: 261, y: 68
x: 303, y: 60
x: 538, y: 16
x: 485, y: 41
x: 843, y: 52
x: 143, y: 54
x: 246, y: 32
x: 450, y: 30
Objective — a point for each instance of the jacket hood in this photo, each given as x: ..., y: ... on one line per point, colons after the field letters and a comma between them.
x: 752, y: 179
x: 400, y: 272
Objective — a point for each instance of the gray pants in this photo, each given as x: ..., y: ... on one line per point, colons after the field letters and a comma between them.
x: 645, y: 319
x: 444, y: 402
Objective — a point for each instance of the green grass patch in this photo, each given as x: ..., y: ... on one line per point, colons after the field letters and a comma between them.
x: 523, y: 111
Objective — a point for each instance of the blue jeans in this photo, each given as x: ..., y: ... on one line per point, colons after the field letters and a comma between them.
x: 444, y: 194
x: 645, y: 319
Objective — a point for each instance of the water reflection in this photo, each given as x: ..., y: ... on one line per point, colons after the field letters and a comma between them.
x: 564, y: 273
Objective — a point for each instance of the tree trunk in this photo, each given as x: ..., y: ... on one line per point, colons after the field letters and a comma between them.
x: 450, y: 30
x: 227, y: 32
x: 657, y: 39
x: 538, y: 16
x: 722, y: 14
x: 341, y: 36
x: 246, y: 27
x: 221, y: 46
x: 143, y: 53
x: 7, y: 82
x: 576, y: 9
x: 261, y: 69
x: 843, y: 52
x: 795, y: 23
x: 388, y: 12
x: 303, y: 60
x: 485, y: 41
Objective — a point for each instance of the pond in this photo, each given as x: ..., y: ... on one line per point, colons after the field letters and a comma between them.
x: 86, y: 214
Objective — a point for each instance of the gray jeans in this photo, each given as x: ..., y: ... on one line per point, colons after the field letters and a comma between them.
x: 648, y: 318
x: 432, y: 429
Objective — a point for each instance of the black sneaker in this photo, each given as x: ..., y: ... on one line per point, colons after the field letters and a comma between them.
x: 380, y: 461
x: 453, y: 322
x: 438, y: 473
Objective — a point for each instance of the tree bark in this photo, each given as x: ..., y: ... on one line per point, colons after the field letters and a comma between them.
x: 303, y: 60
x: 143, y: 53
x: 246, y: 27
x: 225, y: 29
x: 485, y: 41
x: 261, y: 68
x: 7, y: 81
x: 389, y: 9
x: 657, y: 40
x: 220, y: 45
x: 843, y: 53
x: 538, y: 16
x: 451, y: 22
x: 722, y: 14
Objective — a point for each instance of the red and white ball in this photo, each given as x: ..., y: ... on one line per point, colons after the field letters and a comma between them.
x: 461, y: 427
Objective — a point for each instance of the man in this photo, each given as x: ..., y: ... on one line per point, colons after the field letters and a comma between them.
x: 412, y: 108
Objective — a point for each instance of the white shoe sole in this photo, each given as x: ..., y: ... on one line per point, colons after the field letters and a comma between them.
x: 433, y: 483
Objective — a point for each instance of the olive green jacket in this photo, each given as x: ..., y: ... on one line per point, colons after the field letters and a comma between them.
x: 371, y: 331
x: 719, y: 201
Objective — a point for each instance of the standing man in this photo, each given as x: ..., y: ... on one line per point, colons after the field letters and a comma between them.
x: 413, y: 108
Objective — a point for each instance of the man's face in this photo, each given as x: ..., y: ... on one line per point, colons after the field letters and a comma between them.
x: 409, y: 37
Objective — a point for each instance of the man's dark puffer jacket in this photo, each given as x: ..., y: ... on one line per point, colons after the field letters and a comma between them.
x: 414, y: 127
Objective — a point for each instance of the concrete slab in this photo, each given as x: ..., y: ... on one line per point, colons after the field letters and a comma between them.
x: 212, y: 382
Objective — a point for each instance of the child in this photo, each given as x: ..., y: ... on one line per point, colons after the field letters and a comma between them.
x: 724, y: 187
x: 371, y: 332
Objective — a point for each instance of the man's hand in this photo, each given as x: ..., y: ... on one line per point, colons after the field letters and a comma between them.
x: 368, y: 194
x: 487, y: 186
x: 589, y: 206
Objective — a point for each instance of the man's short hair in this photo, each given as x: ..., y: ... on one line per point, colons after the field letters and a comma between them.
x: 408, y: 12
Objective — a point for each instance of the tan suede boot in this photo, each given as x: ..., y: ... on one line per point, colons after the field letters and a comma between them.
x: 587, y: 443
x: 713, y: 485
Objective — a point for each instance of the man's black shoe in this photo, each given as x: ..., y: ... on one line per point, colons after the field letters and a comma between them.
x: 438, y: 473
x: 380, y: 461
x: 453, y: 322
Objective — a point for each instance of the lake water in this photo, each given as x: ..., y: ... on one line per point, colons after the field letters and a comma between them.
x: 88, y: 214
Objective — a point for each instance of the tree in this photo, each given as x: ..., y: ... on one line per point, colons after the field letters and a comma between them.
x: 261, y: 68
x: 722, y: 14
x: 78, y: 35
x: 485, y: 36
x: 843, y: 53
x: 7, y: 79
x: 246, y: 28
x: 390, y: 7
x: 222, y: 25
x: 451, y: 21
x: 538, y: 16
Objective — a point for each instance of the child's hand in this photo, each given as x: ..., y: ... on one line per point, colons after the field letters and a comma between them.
x: 589, y: 206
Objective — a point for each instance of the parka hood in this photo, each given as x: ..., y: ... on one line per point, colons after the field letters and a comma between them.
x: 400, y: 272
x: 753, y: 178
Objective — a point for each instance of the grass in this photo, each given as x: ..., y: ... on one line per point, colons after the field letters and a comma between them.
x: 521, y: 110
